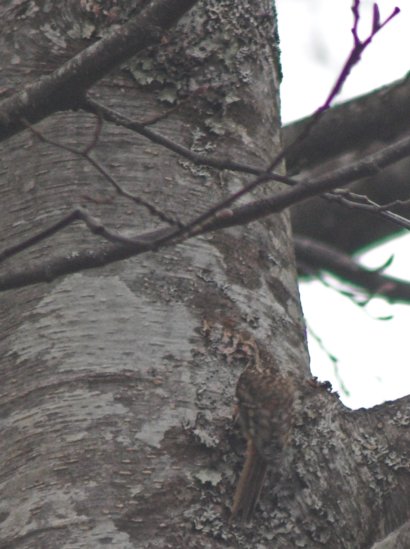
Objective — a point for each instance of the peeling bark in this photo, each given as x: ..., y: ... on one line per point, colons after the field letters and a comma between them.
x: 118, y: 383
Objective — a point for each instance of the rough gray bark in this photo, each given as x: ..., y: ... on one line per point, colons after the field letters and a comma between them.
x: 399, y: 539
x: 117, y: 384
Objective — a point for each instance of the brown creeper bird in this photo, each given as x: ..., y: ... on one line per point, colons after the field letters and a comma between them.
x: 265, y: 401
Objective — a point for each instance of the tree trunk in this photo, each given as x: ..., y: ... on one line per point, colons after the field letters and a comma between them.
x: 118, y: 383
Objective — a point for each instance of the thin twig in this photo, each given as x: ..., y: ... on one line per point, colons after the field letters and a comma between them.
x: 358, y: 48
x: 78, y: 214
x: 111, y: 115
x: 364, y: 203
x: 366, y: 167
x: 85, y: 154
x: 153, y: 240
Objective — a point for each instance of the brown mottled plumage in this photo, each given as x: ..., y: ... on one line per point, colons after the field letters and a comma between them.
x: 265, y: 401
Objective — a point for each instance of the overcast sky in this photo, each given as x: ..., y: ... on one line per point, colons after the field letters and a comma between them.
x: 373, y: 358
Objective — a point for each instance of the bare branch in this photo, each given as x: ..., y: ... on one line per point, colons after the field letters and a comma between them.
x: 320, y: 256
x: 241, y: 215
x: 381, y: 115
x: 352, y: 60
x: 364, y: 203
x: 205, y: 160
x: 220, y: 216
x: 368, y: 166
x: 153, y: 210
x: 111, y: 115
x: 65, y: 87
x: 78, y: 214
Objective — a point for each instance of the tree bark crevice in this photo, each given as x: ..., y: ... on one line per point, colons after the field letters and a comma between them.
x: 118, y: 383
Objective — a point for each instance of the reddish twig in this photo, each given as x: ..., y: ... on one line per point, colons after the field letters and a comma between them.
x: 154, y: 240
x: 353, y: 58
